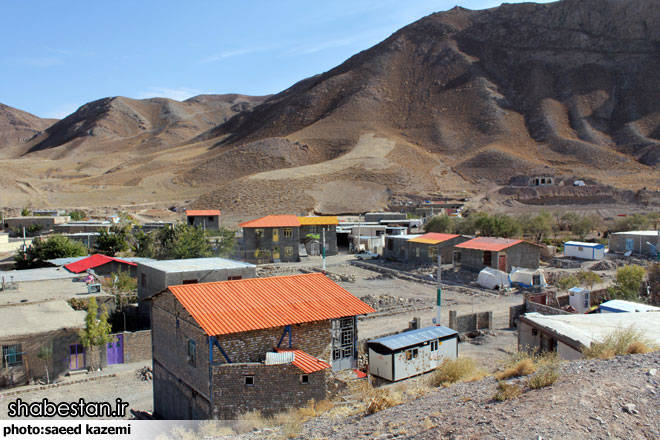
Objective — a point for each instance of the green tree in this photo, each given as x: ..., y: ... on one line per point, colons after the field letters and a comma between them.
x: 588, y: 278
x: 440, y: 223
x: 654, y: 283
x: 182, y: 241
x: 143, y: 244
x: 57, y: 246
x: 566, y: 282
x: 628, y: 282
x: 631, y: 223
x: 25, y: 212
x: 77, y: 215
x: 583, y: 225
x: 111, y: 242
x: 498, y: 225
x: 97, y: 328
x: 223, y: 241
x: 538, y: 226
x: 45, y: 354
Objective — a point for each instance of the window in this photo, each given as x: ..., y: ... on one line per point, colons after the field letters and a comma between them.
x: 488, y: 258
x: 12, y: 355
x: 434, y: 345
x: 287, y: 232
x: 580, y: 248
x: 192, y: 356
x: 143, y: 279
x: 259, y: 232
x: 276, y: 234
x: 417, y: 252
x: 630, y: 244
x: 433, y: 252
x: 210, y: 218
x: 312, y: 229
x: 189, y: 281
x: 249, y: 381
x: 288, y: 251
x: 304, y: 379
x: 412, y: 354
x: 236, y: 277
x: 390, y: 245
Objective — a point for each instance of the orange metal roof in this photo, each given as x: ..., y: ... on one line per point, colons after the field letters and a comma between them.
x: 320, y: 220
x: 489, y: 243
x: 202, y: 212
x: 256, y: 303
x: 433, y: 238
x: 306, y: 362
x: 272, y: 221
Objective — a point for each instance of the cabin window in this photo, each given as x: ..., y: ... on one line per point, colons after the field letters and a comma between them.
x: 287, y: 232
x: 412, y: 354
x: 276, y: 234
x: 433, y: 252
x: 304, y: 379
x: 192, y: 355
x: 580, y: 248
x: 434, y: 345
x: 12, y: 355
x: 249, y: 381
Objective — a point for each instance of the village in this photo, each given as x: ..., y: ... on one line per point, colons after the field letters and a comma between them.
x: 316, y: 304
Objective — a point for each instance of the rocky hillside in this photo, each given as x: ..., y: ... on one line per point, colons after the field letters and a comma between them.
x: 17, y: 126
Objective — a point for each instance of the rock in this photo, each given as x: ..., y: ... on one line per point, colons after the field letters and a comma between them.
x: 652, y: 372
x: 630, y: 408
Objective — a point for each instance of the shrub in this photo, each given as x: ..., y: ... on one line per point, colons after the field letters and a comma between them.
x: 523, y: 367
x: 507, y: 391
x: 566, y: 282
x: 77, y: 215
x: 456, y: 370
x: 620, y: 342
x: 547, y: 374
x: 628, y: 282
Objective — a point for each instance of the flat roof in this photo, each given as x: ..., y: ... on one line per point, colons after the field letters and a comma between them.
x: 46, y: 290
x: 29, y: 319
x: 645, y: 233
x: 584, y: 244
x: 195, y: 264
x: 413, y: 337
x: 595, y: 327
x: 40, y: 274
x: 629, y: 306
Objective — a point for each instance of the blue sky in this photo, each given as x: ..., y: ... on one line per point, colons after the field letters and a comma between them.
x: 58, y: 55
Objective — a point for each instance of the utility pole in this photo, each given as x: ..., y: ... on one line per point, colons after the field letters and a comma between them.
x: 323, y: 249
x: 438, y: 299
x: 359, y: 237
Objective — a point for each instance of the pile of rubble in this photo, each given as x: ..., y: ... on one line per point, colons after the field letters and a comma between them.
x: 388, y: 302
x: 604, y: 265
x: 145, y: 373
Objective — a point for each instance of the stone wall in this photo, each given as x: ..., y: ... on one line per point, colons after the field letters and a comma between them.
x: 276, y: 388
x: 251, y: 243
x: 471, y: 322
x: 137, y: 346
x: 528, y: 307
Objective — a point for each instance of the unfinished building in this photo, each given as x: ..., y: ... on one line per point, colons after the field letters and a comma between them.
x: 204, y: 218
x: 315, y: 231
x: 220, y: 348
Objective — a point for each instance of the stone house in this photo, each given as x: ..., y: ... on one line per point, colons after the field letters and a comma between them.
x: 156, y: 276
x: 498, y: 253
x: 225, y: 348
x: 311, y: 231
x: 271, y: 239
x: 204, y: 218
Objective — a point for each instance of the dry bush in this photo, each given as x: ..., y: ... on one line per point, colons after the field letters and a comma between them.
x: 621, y: 341
x: 381, y: 402
x: 523, y: 367
x: 252, y: 420
x: 507, y: 391
x: 546, y: 376
x: 456, y: 370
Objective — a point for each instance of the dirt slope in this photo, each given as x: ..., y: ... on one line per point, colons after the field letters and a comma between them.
x: 17, y: 126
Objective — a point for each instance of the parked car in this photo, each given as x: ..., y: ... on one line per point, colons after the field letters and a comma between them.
x: 366, y: 255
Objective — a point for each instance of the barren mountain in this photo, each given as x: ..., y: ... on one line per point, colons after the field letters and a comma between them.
x: 458, y: 101
x: 17, y: 126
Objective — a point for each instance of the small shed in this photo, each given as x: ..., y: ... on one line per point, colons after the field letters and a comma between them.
x: 493, y: 279
x: 620, y: 306
x: 527, y: 278
x: 411, y: 353
x: 584, y: 251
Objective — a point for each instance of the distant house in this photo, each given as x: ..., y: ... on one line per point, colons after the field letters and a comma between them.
x: 272, y: 238
x: 397, y: 246
x: 311, y: 234
x: 102, y: 265
x: 226, y: 348
x: 584, y: 251
x: 636, y: 242
x: 620, y: 306
x: 425, y: 248
x: 568, y: 335
x: 204, y: 218
x: 378, y: 217
x: 498, y: 253
x: 75, y: 227
x: 33, y: 225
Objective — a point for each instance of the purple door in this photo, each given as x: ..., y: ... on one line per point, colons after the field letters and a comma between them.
x: 115, y: 350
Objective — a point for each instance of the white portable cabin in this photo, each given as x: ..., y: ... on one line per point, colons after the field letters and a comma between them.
x: 579, y: 299
x: 620, y: 306
x: 493, y: 279
x: 584, y: 251
x: 524, y: 277
x: 411, y: 353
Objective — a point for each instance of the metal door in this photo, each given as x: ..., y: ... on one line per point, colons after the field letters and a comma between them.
x: 502, y: 263
x: 76, y: 357
x: 115, y: 350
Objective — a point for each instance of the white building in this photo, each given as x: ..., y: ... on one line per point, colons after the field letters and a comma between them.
x: 584, y: 251
x: 620, y: 306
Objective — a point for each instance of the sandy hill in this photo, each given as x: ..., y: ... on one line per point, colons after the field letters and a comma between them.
x: 457, y: 101
x: 17, y: 126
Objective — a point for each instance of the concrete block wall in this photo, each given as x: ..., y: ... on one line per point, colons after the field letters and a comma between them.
x: 470, y: 322
x: 251, y: 243
x: 175, y: 399
x: 137, y: 346
x: 276, y: 388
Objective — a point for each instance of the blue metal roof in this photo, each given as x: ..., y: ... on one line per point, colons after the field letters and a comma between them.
x: 617, y: 305
x: 414, y: 337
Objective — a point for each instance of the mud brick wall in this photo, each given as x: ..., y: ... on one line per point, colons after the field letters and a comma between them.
x: 471, y: 322
x: 137, y: 346
x: 276, y: 388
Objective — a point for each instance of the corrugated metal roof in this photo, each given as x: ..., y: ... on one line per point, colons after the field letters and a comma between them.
x: 202, y: 212
x: 306, y: 362
x: 627, y: 306
x: 195, y: 264
x: 489, y: 243
x: 93, y: 261
x: 433, y: 238
x: 413, y: 337
x: 320, y: 220
x: 256, y: 303
x: 272, y: 221
x: 279, y: 358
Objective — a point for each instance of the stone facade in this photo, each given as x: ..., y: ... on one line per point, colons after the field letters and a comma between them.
x: 137, y: 346
x: 267, y: 245
x: 186, y: 388
x: 522, y: 254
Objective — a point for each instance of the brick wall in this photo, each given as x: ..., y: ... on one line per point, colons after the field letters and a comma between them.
x: 276, y: 388
x: 137, y: 346
x: 471, y: 322
x: 174, y: 399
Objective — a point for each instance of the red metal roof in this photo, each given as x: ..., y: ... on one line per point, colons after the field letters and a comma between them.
x: 489, y: 243
x: 306, y: 362
x: 272, y: 221
x: 202, y: 212
x: 256, y: 303
x: 93, y: 261
x: 433, y: 238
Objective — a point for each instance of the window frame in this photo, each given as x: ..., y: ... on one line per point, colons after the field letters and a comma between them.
x: 17, y: 355
x: 192, y: 354
x: 248, y: 380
